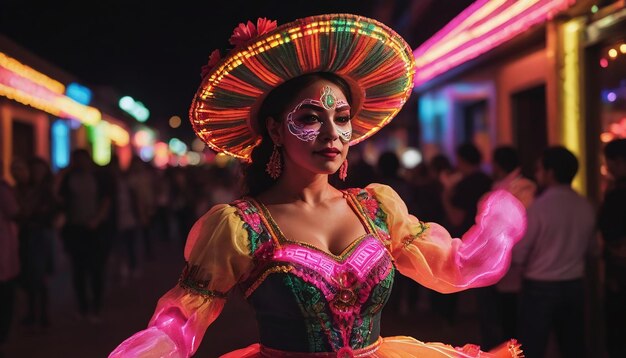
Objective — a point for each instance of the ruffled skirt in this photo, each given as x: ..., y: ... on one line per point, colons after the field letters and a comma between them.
x: 390, y: 347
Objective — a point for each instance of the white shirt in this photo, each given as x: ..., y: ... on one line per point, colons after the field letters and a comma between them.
x: 561, y: 227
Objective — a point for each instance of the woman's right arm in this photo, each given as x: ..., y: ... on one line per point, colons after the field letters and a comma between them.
x: 217, y: 258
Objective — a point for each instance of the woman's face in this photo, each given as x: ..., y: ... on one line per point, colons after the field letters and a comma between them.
x: 315, y: 131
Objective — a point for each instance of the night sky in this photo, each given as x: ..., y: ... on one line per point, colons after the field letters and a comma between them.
x: 153, y: 50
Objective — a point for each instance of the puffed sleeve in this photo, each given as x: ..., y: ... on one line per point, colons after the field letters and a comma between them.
x: 217, y: 257
x: 426, y: 252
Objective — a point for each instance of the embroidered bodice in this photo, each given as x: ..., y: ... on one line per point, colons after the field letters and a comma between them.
x: 308, y: 300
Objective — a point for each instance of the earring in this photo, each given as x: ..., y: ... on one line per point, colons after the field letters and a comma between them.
x: 274, y: 165
x: 343, y: 170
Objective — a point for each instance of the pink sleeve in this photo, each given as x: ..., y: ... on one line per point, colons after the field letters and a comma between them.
x: 218, y: 257
x: 428, y: 254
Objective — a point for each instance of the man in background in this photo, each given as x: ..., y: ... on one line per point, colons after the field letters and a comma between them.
x: 612, y: 225
x: 552, y: 255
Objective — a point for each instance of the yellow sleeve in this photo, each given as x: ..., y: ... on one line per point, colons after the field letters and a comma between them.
x: 428, y: 254
x: 217, y: 257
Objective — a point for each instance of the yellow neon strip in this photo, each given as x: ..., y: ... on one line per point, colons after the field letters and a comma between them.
x: 29, y: 100
x: 572, y: 125
x: 32, y: 75
x: 61, y: 106
x: 117, y: 134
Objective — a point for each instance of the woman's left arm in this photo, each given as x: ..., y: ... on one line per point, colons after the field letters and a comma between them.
x: 428, y: 254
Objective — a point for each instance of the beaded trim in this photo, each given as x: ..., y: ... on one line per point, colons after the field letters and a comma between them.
x: 199, y: 288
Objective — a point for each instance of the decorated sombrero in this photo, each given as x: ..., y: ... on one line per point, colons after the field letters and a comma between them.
x: 375, y: 61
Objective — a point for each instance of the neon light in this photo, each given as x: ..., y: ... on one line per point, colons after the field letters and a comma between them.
x: 146, y: 153
x: 143, y: 138
x: 29, y: 87
x: 175, y: 121
x: 622, y: 48
x: 612, y: 53
x: 481, y: 27
x: 79, y: 93
x: 60, y: 130
x: 161, y: 154
x: 101, y: 143
x: 134, y: 108
x: 611, y: 96
x: 177, y: 146
x: 193, y: 158
x: 572, y: 123
x: 17, y: 68
x: 604, y: 63
x: 118, y: 134
x: 411, y: 158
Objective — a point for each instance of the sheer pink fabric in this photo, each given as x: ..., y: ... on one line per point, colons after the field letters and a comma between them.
x: 431, y: 257
x: 217, y: 249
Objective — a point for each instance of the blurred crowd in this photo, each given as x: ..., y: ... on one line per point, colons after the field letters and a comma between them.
x: 108, y: 220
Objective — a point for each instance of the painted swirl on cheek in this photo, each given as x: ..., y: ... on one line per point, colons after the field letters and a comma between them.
x: 299, y: 131
x: 344, y: 135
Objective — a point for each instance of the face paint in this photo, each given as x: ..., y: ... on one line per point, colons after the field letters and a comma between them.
x: 328, y: 99
x: 307, y: 132
x: 302, y: 131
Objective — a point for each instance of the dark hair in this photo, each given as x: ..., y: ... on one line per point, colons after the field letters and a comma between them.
x: 616, y: 149
x: 440, y: 163
x: 506, y: 158
x: 256, y: 180
x: 469, y: 153
x: 562, y: 162
x: 388, y: 164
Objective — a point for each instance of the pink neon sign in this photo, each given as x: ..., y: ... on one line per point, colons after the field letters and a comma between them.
x: 481, y: 27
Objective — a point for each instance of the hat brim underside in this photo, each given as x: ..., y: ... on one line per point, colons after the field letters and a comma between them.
x: 376, y: 62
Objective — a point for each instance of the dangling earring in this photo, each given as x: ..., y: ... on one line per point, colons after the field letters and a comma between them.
x: 343, y: 170
x: 274, y: 166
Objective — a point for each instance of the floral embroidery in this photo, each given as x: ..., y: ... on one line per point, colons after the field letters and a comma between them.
x: 252, y: 223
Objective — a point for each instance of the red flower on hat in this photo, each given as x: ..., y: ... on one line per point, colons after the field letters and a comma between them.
x: 214, y: 58
x: 264, y: 25
x: 245, y: 32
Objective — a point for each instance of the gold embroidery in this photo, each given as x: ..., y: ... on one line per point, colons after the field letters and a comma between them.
x: 259, y: 281
x: 419, y: 235
x: 197, y: 288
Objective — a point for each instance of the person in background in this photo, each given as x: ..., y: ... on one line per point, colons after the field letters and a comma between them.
x: 86, y: 200
x: 38, y: 212
x: 612, y: 225
x: 461, y: 204
x: 9, y: 256
x: 559, y: 238
x: 461, y: 197
x: 507, y: 176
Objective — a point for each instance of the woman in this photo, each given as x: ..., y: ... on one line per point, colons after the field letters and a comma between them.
x: 316, y: 263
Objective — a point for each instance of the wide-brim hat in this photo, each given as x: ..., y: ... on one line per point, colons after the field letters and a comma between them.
x: 373, y: 59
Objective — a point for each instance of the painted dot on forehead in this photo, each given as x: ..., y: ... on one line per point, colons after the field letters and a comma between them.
x: 328, y: 98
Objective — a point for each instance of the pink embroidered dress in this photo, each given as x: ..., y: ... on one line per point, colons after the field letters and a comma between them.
x: 310, y: 303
